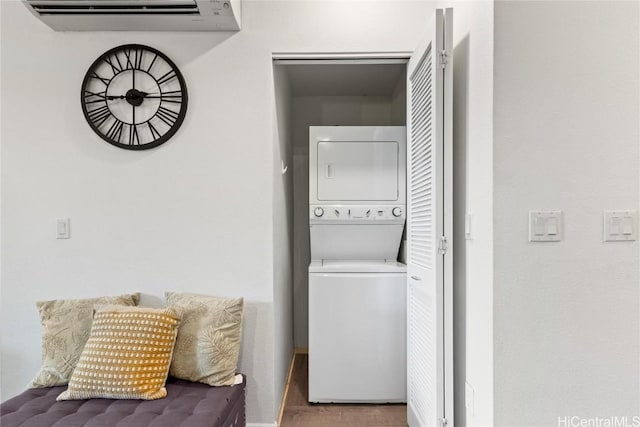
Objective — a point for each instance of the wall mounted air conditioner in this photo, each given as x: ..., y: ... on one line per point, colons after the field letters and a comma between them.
x: 138, y: 15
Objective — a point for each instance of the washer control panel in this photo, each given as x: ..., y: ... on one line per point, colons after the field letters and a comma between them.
x: 356, y: 213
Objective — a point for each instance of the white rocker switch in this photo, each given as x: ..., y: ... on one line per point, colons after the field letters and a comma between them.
x: 614, y: 226
x: 545, y: 226
x: 627, y: 225
x: 540, y: 226
x: 620, y: 226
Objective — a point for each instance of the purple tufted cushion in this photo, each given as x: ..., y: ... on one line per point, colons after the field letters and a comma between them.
x: 187, y: 404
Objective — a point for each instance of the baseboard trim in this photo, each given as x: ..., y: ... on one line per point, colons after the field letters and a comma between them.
x: 262, y: 425
x: 301, y: 350
x: 285, y: 393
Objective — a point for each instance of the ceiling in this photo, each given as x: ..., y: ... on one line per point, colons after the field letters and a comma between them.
x: 342, y: 79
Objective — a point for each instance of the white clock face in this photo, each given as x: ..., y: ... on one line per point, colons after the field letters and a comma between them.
x: 134, y: 97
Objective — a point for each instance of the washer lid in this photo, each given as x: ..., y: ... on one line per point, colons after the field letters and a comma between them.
x: 333, y: 266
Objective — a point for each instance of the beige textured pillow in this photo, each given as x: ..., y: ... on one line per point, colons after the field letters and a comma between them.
x: 65, y: 329
x: 208, y: 343
x: 127, y: 355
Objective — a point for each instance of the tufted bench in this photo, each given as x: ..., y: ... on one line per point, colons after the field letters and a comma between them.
x: 187, y: 404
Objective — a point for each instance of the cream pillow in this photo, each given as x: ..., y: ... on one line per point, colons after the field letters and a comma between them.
x: 127, y: 355
x: 208, y: 344
x: 65, y: 329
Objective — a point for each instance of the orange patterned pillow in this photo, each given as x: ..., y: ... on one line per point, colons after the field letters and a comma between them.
x: 127, y: 355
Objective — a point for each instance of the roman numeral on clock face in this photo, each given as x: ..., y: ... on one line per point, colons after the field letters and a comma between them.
x: 137, y: 58
x: 173, y: 96
x: 154, y: 132
x: 134, y: 137
x: 93, y: 97
x: 115, y: 130
x: 153, y: 61
x: 129, y: 62
x: 114, y: 63
x: 167, y: 77
x: 167, y: 116
x: 99, y: 115
x: 102, y: 79
x: 134, y: 58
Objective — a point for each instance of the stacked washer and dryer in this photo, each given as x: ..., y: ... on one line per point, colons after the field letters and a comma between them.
x: 357, y: 288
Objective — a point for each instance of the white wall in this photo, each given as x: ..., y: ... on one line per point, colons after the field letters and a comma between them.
x: 194, y: 214
x: 473, y: 193
x: 324, y: 111
x: 282, y: 231
x: 566, y: 129
x: 164, y: 219
x: 399, y: 103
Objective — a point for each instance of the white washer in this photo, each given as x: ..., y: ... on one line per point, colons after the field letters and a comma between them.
x: 357, y: 332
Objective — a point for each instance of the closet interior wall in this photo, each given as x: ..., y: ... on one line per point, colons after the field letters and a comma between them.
x: 337, y: 94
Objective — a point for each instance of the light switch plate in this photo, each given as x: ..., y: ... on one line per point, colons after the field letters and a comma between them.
x: 62, y: 228
x: 545, y: 226
x: 468, y: 223
x: 620, y: 226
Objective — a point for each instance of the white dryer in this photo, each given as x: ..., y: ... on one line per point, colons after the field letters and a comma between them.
x: 357, y: 289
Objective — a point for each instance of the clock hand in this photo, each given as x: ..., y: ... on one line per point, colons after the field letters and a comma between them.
x: 143, y: 94
x: 164, y: 96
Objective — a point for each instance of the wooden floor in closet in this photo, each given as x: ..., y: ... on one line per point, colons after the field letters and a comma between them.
x: 300, y: 413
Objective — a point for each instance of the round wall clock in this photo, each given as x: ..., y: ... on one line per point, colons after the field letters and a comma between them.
x: 134, y: 97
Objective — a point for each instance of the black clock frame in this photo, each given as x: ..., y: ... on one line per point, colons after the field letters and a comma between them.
x: 176, y: 119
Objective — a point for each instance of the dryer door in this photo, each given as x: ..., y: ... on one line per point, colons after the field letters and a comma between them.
x: 358, y: 171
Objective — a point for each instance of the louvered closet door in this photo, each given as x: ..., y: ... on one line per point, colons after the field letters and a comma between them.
x: 429, y: 209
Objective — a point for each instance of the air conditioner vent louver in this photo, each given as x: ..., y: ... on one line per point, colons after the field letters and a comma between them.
x: 138, y: 15
x: 116, y: 7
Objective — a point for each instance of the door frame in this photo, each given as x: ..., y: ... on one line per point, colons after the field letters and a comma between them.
x: 403, y: 57
x: 311, y: 58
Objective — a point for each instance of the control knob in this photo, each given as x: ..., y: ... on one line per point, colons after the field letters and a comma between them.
x: 318, y: 212
x: 396, y: 211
